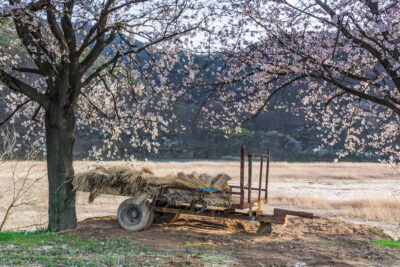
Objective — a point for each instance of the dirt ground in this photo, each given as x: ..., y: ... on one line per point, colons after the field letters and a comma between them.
x: 301, y: 242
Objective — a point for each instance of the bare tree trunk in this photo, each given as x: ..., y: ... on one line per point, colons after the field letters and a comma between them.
x: 60, y: 137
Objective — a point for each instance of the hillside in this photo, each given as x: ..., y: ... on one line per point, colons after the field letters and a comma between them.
x: 289, y: 137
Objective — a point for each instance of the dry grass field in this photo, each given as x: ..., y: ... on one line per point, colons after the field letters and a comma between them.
x: 355, y: 192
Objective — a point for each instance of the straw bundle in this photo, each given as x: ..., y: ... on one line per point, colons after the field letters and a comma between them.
x: 123, y: 180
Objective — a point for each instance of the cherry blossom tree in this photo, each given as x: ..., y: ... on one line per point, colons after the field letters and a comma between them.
x: 339, y: 58
x: 74, y: 66
x: 97, y: 66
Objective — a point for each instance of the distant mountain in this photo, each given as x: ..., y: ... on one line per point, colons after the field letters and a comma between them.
x: 288, y: 136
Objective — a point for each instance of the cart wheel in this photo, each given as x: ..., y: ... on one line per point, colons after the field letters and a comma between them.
x: 133, y: 216
x: 165, y: 217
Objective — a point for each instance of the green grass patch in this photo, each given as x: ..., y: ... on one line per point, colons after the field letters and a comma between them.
x: 51, y: 249
x: 388, y: 243
x: 24, y: 237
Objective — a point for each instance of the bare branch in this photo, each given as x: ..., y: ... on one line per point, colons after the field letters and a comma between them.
x: 15, y: 111
x: 362, y: 95
x: 27, y: 70
x: 33, y: 6
x: 21, y: 87
x: 87, y: 81
x: 55, y: 28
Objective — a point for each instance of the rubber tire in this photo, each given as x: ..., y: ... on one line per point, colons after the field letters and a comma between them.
x: 133, y: 216
x: 165, y: 217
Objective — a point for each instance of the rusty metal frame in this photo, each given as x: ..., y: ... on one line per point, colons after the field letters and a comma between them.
x: 244, y: 203
x: 197, y: 207
x: 262, y: 183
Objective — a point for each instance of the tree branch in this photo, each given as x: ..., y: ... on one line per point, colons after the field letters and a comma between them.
x: 96, y: 51
x: 281, y: 87
x: 67, y: 27
x: 15, y: 111
x: 21, y: 87
x: 362, y: 95
x: 33, y: 6
x: 97, y: 27
x: 99, y: 69
x: 55, y: 28
x: 368, y: 47
x: 113, y: 97
x: 31, y: 39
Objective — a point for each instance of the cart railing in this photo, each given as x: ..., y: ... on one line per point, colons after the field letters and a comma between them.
x: 261, y: 191
x: 245, y: 193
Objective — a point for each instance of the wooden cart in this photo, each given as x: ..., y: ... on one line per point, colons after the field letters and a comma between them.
x: 248, y: 200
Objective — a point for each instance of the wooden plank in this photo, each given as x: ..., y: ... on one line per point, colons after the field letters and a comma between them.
x: 226, y: 215
x: 282, y: 212
x: 241, y: 207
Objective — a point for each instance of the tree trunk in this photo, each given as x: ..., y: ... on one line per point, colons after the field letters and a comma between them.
x: 60, y: 137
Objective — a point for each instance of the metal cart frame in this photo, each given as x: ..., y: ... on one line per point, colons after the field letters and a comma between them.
x: 247, y: 200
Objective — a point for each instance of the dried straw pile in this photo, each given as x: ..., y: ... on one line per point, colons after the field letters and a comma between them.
x: 123, y: 180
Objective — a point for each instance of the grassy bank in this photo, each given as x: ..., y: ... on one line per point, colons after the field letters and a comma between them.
x: 49, y: 249
x: 389, y: 243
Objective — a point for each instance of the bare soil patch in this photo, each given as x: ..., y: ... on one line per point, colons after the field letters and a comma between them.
x: 318, y: 242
